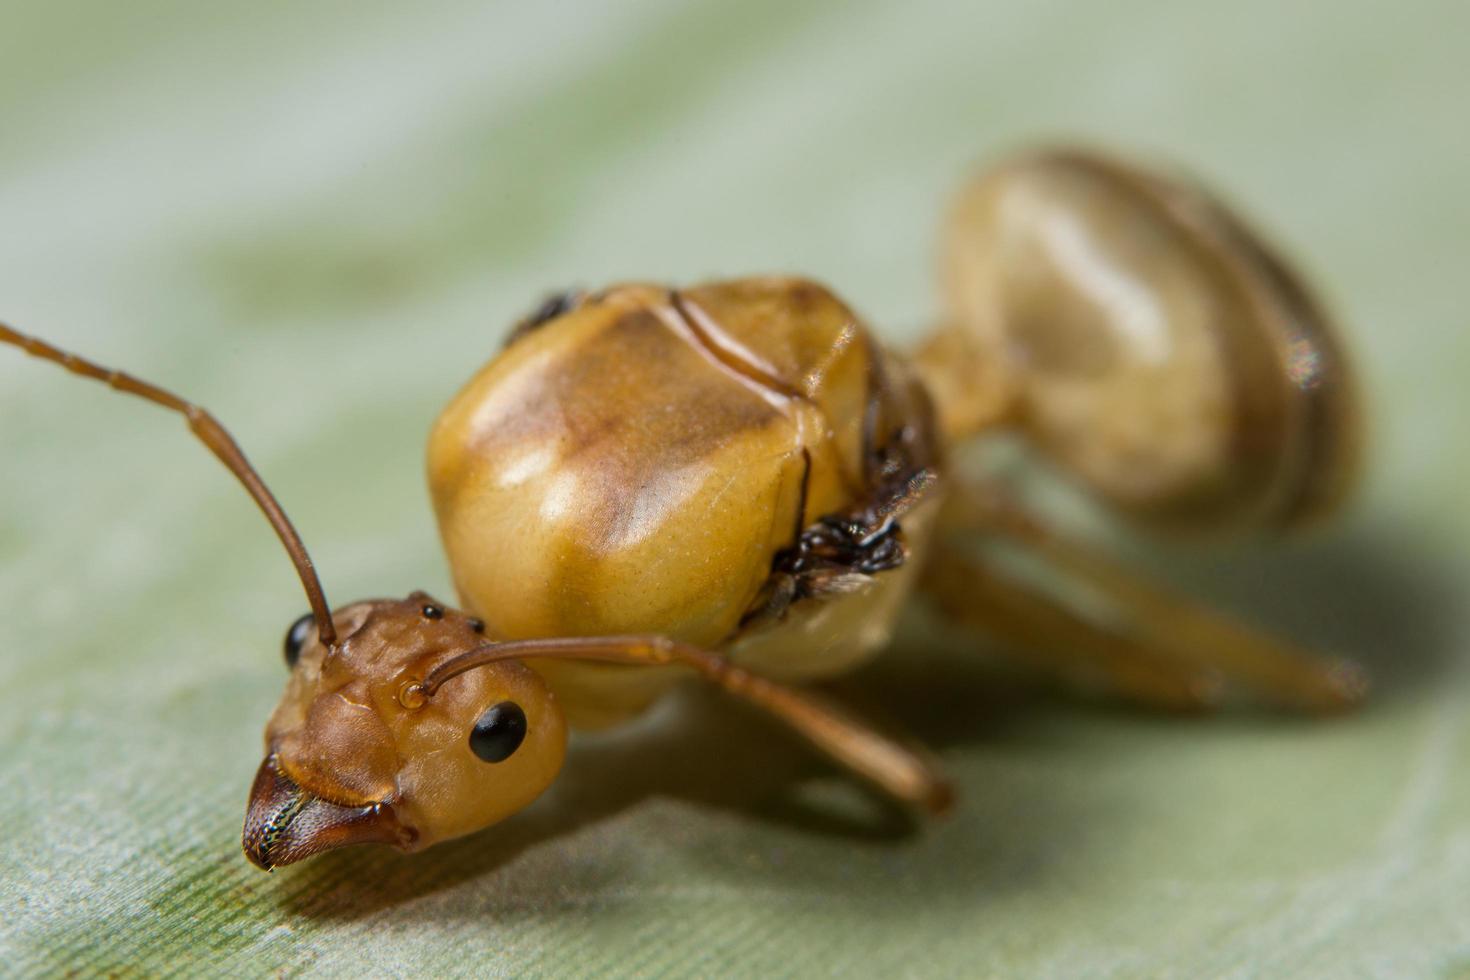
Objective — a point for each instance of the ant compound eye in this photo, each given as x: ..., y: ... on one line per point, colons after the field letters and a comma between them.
x: 499, y: 732
x: 432, y: 611
x: 296, y: 638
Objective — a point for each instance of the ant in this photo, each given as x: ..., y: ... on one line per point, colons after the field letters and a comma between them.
x: 737, y: 480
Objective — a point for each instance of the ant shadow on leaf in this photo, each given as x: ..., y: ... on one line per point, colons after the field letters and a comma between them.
x: 1374, y: 592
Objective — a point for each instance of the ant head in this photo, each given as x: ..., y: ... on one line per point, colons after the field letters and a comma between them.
x: 360, y: 749
x: 356, y: 754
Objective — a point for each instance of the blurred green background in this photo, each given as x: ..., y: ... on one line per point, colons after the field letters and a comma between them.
x: 319, y: 218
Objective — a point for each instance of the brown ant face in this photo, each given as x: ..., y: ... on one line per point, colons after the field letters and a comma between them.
x: 348, y: 762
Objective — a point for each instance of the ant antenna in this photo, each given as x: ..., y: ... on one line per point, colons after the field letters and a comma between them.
x: 220, y: 442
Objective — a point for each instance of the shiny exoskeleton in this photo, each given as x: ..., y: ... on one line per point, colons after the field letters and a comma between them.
x: 643, y: 462
x: 737, y: 481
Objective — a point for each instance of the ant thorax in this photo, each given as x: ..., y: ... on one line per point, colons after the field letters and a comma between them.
x: 700, y: 463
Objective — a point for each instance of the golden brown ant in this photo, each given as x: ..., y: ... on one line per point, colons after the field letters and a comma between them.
x: 737, y: 479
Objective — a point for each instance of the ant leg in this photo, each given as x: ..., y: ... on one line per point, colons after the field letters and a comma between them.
x: 906, y: 773
x: 1041, y: 632
x: 1189, y: 633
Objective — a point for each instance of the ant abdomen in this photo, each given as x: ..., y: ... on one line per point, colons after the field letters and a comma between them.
x: 1149, y: 342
